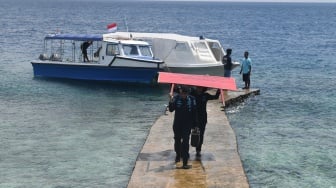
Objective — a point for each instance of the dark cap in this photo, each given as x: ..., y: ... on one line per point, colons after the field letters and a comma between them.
x: 184, y: 89
x: 201, y: 88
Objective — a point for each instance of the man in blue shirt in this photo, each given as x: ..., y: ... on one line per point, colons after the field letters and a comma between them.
x: 246, y: 70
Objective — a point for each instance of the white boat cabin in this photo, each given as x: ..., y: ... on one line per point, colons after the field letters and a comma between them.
x: 179, y: 50
x: 67, y: 48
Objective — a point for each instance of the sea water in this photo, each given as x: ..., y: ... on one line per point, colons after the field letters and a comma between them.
x: 62, y: 133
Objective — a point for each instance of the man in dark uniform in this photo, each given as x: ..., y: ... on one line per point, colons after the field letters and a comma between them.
x: 202, y: 98
x: 227, y: 61
x: 84, y: 48
x: 185, y: 119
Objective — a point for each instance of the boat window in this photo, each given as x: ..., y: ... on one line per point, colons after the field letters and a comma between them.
x: 181, y: 46
x: 112, y: 49
x: 201, y: 45
x: 130, y: 50
x: 214, y: 45
x: 203, y: 50
x: 216, y: 50
x: 145, y: 51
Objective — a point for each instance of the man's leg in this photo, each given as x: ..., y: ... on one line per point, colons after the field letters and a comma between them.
x: 199, y: 147
x: 185, y: 149
x: 177, y: 144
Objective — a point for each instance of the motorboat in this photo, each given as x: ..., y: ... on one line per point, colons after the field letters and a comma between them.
x: 108, y: 59
x: 181, y: 53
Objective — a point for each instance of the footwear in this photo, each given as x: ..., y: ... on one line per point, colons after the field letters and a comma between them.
x: 186, y: 166
x: 244, y: 88
x: 198, y: 153
x: 177, y: 159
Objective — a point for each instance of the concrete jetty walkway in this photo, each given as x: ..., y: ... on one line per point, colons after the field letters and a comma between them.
x: 219, y: 166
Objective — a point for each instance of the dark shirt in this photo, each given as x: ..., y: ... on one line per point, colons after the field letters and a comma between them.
x: 85, y: 46
x: 185, y: 111
x: 201, y: 103
x: 227, y: 62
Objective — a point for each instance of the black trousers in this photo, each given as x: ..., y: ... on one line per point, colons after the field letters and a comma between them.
x: 181, y: 145
x: 202, y: 130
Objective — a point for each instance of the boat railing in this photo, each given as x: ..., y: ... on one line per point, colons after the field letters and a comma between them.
x: 55, y: 57
x: 68, y: 51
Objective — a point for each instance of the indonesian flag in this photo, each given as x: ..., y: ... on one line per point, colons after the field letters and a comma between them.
x: 112, y: 27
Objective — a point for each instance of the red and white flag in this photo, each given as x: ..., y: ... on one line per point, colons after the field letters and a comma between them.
x: 112, y: 27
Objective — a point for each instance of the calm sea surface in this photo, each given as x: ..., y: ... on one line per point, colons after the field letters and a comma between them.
x: 61, y: 133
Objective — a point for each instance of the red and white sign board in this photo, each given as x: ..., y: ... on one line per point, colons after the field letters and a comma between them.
x: 218, y: 82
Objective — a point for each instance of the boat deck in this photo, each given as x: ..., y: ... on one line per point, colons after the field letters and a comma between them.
x: 219, y: 165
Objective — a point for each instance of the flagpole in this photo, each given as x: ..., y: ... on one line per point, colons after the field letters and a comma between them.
x: 125, y: 23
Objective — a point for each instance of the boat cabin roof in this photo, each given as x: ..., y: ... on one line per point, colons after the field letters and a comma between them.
x: 77, y: 37
x: 127, y: 42
x: 170, y: 36
x: 91, y: 37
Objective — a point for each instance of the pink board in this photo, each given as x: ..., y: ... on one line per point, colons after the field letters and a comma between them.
x: 198, y: 80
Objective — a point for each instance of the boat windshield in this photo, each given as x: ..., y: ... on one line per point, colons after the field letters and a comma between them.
x: 112, y: 49
x: 216, y: 50
x: 130, y: 50
x: 145, y: 51
x: 201, y: 46
x: 203, y: 50
x: 181, y: 46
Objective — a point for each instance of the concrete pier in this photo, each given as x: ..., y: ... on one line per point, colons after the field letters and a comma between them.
x: 219, y: 166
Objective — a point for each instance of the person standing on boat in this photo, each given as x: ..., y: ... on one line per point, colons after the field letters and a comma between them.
x: 185, y: 119
x: 202, y: 98
x: 84, y: 47
x: 246, y: 70
x: 227, y: 63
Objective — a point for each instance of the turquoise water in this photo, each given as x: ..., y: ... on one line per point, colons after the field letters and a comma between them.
x: 61, y: 133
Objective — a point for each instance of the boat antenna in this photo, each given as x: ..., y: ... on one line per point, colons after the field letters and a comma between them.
x: 125, y: 22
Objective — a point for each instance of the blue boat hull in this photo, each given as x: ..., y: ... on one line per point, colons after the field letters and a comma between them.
x: 98, y: 73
